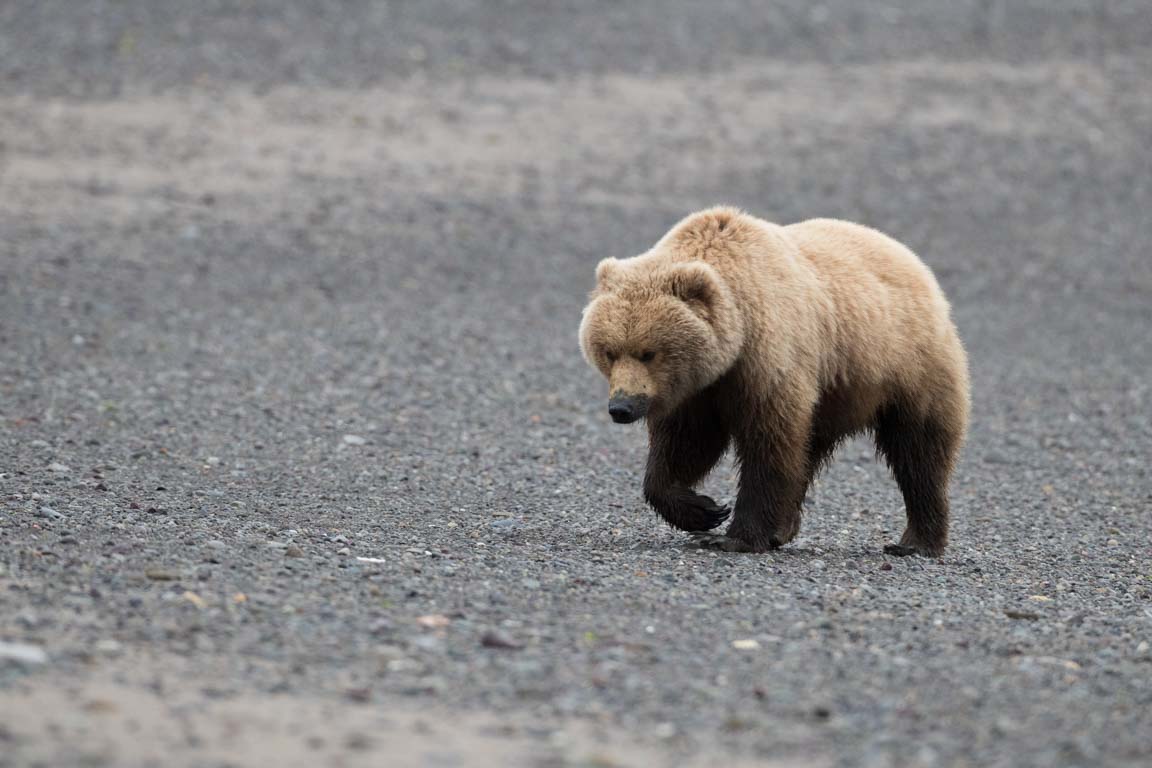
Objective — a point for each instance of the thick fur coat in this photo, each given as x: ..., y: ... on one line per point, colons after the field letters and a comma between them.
x: 780, y: 341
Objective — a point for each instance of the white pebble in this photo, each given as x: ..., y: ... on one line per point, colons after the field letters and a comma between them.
x: 23, y: 653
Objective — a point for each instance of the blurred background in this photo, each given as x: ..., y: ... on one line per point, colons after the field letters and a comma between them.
x: 293, y: 418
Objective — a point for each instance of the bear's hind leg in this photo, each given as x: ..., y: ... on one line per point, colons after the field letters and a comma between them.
x: 921, y: 451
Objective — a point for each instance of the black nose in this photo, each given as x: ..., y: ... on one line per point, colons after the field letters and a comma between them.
x: 625, y: 409
x: 622, y: 412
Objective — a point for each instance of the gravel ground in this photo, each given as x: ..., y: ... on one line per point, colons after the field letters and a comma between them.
x: 296, y: 442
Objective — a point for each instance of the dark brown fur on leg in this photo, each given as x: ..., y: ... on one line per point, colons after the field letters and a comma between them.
x: 683, y: 447
x: 774, y: 476
x: 921, y: 452
x: 820, y: 451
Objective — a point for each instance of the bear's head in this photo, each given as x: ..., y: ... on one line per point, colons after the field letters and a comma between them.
x: 659, y: 333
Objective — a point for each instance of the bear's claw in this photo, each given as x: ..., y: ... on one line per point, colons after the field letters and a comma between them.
x: 714, y: 514
x: 721, y: 543
x: 695, y: 514
x: 903, y: 550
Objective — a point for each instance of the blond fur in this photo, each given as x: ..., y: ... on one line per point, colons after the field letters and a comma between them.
x: 783, y: 339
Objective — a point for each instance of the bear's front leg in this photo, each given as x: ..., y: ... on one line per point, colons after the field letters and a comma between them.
x: 767, y: 509
x: 773, y: 481
x: 683, y: 448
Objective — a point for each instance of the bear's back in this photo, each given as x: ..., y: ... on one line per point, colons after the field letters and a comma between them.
x: 890, y: 311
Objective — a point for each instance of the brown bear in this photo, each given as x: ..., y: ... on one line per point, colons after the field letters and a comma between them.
x: 781, y: 341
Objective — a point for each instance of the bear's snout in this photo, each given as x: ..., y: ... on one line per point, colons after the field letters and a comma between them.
x: 625, y: 409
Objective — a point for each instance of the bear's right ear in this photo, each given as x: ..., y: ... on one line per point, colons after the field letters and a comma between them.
x: 607, y: 274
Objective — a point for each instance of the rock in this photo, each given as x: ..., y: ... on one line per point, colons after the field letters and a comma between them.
x: 359, y: 695
x: 1021, y: 615
x: 23, y: 653
x: 818, y: 564
x: 293, y: 550
x: 427, y: 643
x: 109, y: 647
x: 382, y: 627
x: 59, y: 468
x: 354, y: 440
x: 746, y: 645
x: 434, y: 621
x: 49, y: 513
x: 495, y: 639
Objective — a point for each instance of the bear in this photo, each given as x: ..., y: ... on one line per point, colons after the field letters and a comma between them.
x: 780, y: 341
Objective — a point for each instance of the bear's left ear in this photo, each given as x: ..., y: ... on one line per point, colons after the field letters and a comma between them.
x: 696, y: 284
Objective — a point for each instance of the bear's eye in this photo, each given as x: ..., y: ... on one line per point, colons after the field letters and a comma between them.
x: 647, y: 356
x: 611, y: 356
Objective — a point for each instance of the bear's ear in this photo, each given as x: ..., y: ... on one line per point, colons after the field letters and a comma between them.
x: 697, y: 285
x: 607, y: 274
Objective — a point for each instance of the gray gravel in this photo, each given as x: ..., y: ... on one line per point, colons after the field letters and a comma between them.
x: 292, y: 410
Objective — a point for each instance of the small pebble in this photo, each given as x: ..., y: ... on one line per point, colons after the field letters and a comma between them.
x: 359, y: 695
x: 495, y: 639
x: 109, y: 647
x: 23, y: 653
